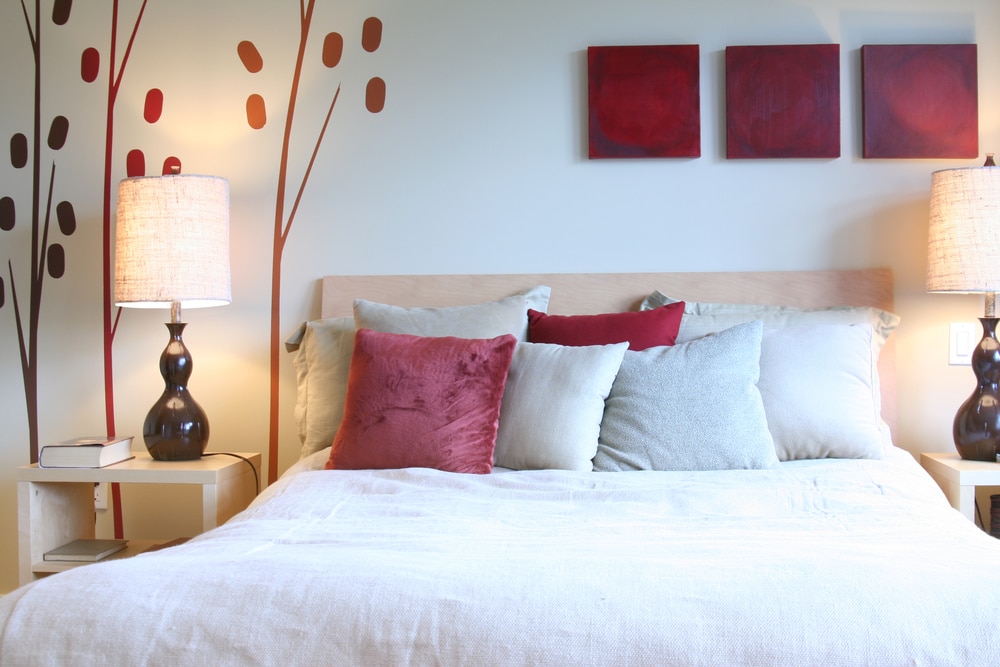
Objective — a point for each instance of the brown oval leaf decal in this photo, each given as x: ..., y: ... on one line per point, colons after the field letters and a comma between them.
x: 250, y: 56
x: 333, y: 49
x: 256, y: 113
x: 371, y: 34
x: 375, y: 95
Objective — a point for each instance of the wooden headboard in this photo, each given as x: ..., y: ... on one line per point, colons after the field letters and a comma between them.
x: 587, y: 293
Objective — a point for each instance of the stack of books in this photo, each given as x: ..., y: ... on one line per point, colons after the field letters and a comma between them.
x: 86, y: 452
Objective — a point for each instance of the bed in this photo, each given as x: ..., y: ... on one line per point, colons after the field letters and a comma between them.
x: 730, y: 497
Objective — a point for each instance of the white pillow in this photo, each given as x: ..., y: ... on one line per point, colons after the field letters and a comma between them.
x: 692, y: 406
x: 553, y: 403
x: 324, y: 349
x: 821, y: 392
x: 484, y: 320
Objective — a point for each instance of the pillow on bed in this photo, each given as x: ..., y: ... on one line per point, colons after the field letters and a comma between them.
x: 322, y: 364
x: 821, y: 392
x: 324, y: 359
x: 814, y: 431
x: 703, y: 318
x: 640, y: 329
x: 693, y: 406
x: 424, y: 402
x: 483, y: 320
x: 553, y: 403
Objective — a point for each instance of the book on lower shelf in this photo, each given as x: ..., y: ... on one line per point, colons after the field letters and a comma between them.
x: 85, y: 551
x: 86, y: 452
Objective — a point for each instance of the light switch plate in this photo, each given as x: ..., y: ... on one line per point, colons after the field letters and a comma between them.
x: 963, y: 340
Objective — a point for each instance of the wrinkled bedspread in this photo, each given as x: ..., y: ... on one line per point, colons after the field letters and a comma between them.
x: 816, y: 563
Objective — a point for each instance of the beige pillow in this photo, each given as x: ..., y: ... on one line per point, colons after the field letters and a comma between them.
x: 484, y: 320
x: 703, y: 318
x: 322, y: 364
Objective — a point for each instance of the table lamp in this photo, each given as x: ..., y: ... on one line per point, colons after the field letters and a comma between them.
x: 172, y: 250
x: 963, y: 255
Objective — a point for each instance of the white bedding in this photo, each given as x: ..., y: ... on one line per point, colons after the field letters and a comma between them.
x: 830, y: 562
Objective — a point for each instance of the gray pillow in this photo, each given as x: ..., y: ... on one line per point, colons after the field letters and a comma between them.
x: 693, y: 406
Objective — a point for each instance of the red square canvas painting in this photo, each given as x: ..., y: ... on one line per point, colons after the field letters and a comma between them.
x: 644, y: 101
x: 920, y: 101
x: 783, y: 101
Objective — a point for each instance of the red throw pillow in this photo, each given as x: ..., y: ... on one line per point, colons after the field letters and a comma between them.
x: 422, y: 402
x: 640, y: 329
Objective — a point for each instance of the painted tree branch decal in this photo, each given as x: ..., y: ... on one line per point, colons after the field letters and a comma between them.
x: 47, y: 258
x: 333, y: 48
x: 135, y: 165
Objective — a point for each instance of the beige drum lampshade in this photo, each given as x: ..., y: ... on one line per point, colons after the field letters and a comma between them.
x: 172, y: 242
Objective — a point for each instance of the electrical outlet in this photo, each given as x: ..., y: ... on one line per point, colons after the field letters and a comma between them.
x: 101, y: 495
x: 962, y: 342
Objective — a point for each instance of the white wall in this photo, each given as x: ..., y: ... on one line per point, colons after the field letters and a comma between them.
x: 477, y: 164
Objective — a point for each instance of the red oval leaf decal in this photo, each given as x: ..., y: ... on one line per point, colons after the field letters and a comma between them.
x: 256, y: 113
x: 66, y: 217
x: 172, y: 165
x: 18, y: 150
x: 135, y: 163
x: 7, y: 212
x: 250, y: 56
x: 90, y: 64
x: 57, y: 132
x: 153, y: 107
x: 375, y: 95
x: 333, y: 49
x: 57, y: 260
x: 60, y: 11
x: 371, y: 34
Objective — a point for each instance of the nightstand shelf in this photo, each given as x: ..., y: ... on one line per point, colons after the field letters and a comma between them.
x: 56, y: 505
x: 959, y: 478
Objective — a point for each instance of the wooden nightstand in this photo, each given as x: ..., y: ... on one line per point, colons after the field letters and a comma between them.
x: 56, y: 505
x: 959, y: 478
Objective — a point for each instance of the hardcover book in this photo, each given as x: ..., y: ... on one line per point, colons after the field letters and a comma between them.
x: 85, y: 550
x: 86, y: 452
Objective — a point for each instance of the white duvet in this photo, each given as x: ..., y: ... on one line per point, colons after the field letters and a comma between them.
x: 816, y: 563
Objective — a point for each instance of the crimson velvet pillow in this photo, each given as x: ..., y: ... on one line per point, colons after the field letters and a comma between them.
x: 640, y: 329
x: 420, y: 402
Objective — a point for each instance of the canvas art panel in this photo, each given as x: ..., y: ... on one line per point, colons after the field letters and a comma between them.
x: 644, y: 101
x: 920, y: 100
x: 783, y: 101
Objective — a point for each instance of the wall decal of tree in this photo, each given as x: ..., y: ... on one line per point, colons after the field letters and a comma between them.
x: 250, y: 57
x: 46, y: 257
